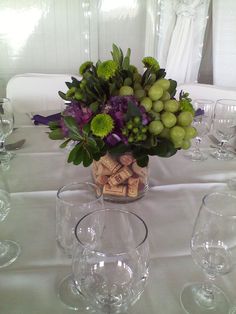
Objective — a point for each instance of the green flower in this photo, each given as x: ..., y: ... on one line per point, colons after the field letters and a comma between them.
x: 102, y: 124
x: 107, y: 69
x: 85, y: 66
x: 151, y: 62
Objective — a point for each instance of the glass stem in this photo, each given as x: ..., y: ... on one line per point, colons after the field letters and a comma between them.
x: 3, y: 248
x: 197, y: 145
x: 2, y: 146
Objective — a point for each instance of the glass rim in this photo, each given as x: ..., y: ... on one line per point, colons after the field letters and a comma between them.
x: 221, y: 100
x: 4, y: 99
x: 226, y: 193
x: 210, y: 101
x: 113, y: 210
x: 99, y: 197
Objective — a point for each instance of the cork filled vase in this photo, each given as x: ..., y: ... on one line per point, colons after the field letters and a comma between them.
x: 120, y: 178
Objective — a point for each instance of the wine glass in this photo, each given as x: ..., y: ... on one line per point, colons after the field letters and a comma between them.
x: 73, y: 201
x: 111, y: 259
x: 202, y: 122
x: 6, y: 127
x: 9, y: 250
x: 213, y: 249
x: 224, y: 126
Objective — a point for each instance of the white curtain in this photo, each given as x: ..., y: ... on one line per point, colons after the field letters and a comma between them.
x: 180, y: 38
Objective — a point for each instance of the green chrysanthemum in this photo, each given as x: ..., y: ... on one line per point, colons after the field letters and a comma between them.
x: 107, y: 69
x: 151, y: 62
x: 102, y: 124
x: 85, y: 66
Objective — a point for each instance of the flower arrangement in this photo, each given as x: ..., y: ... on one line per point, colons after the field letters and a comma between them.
x: 115, y: 109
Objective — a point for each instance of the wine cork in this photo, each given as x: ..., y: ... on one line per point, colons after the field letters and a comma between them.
x: 120, y: 177
x: 110, y: 163
x: 119, y: 190
x: 126, y: 159
x: 140, y: 171
x: 103, y: 171
x: 133, y: 184
x: 102, y: 180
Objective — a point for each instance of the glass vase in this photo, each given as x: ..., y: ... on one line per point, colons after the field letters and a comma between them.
x: 120, y: 178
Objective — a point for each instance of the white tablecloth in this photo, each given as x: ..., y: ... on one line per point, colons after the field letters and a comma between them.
x: 177, y: 185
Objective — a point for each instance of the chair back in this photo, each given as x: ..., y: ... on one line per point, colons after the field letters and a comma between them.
x: 34, y: 92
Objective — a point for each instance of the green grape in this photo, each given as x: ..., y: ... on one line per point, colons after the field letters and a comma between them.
x: 177, y: 133
x: 137, y: 77
x: 186, y: 144
x: 136, y: 120
x: 155, y: 92
x: 135, y: 130
x: 168, y: 119
x: 146, y: 103
x: 158, y: 105
x: 139, y: 137
x: 164, y: 83
x: 178, y: 143
x: 139, y: 93
x: 155, y: 127
x: 126, y: 91
x: 144, y: 137
x: 128, y: 81
x: 185, y: 118
x: 165, y: 96
x: 171, y: 105
x: 165, y: 133
x: 137, y: 86
x: 144, y: 129
x: 130, y: 139
x: 78, y: 95
x: 129, y: 125
x: 190, y: 132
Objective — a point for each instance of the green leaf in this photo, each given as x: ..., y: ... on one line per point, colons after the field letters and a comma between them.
x: 71, y: 124
x: 75, y: 153
x: 126, y: 63
x: 54, y: 125
x: 164, y: 148
x: 94, y: 106
x: 64, y: 144
x: 116, y: 53
x: 119, y: 149
x: 56, y: 134
x: 86, y: 129
x: 172, y: 88
x: 142, y: 161
x: 62, y: 95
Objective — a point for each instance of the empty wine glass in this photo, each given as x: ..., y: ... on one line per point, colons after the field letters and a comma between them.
x: 213, y: 249
x: 9, y: 250
x: 6, y: 127
x: 73, y: 201
x: 224, y: 126
x: 111, y: 259
x: 202, y: 122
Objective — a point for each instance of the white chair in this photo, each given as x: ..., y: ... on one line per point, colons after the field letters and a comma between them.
x: 204, y: 91
x: 33, y: 92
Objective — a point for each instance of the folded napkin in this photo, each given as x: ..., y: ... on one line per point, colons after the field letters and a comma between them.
x: 38, y: 119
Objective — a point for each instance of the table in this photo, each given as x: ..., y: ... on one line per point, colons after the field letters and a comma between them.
x: 177, y: 185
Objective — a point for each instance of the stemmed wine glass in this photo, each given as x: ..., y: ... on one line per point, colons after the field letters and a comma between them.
x: 213, y: 249
x: 9, y: 250
x: 224, y: 126
x: 73, y: 201
x: 202, y: 122
x: 6, y: 127
x: 111, y: 259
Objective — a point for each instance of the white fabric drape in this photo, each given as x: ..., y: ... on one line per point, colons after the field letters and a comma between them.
x: 180, y: 38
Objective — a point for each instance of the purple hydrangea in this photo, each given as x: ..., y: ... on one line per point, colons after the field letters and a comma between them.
x: 117, y: 109
x: 81, y: 114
